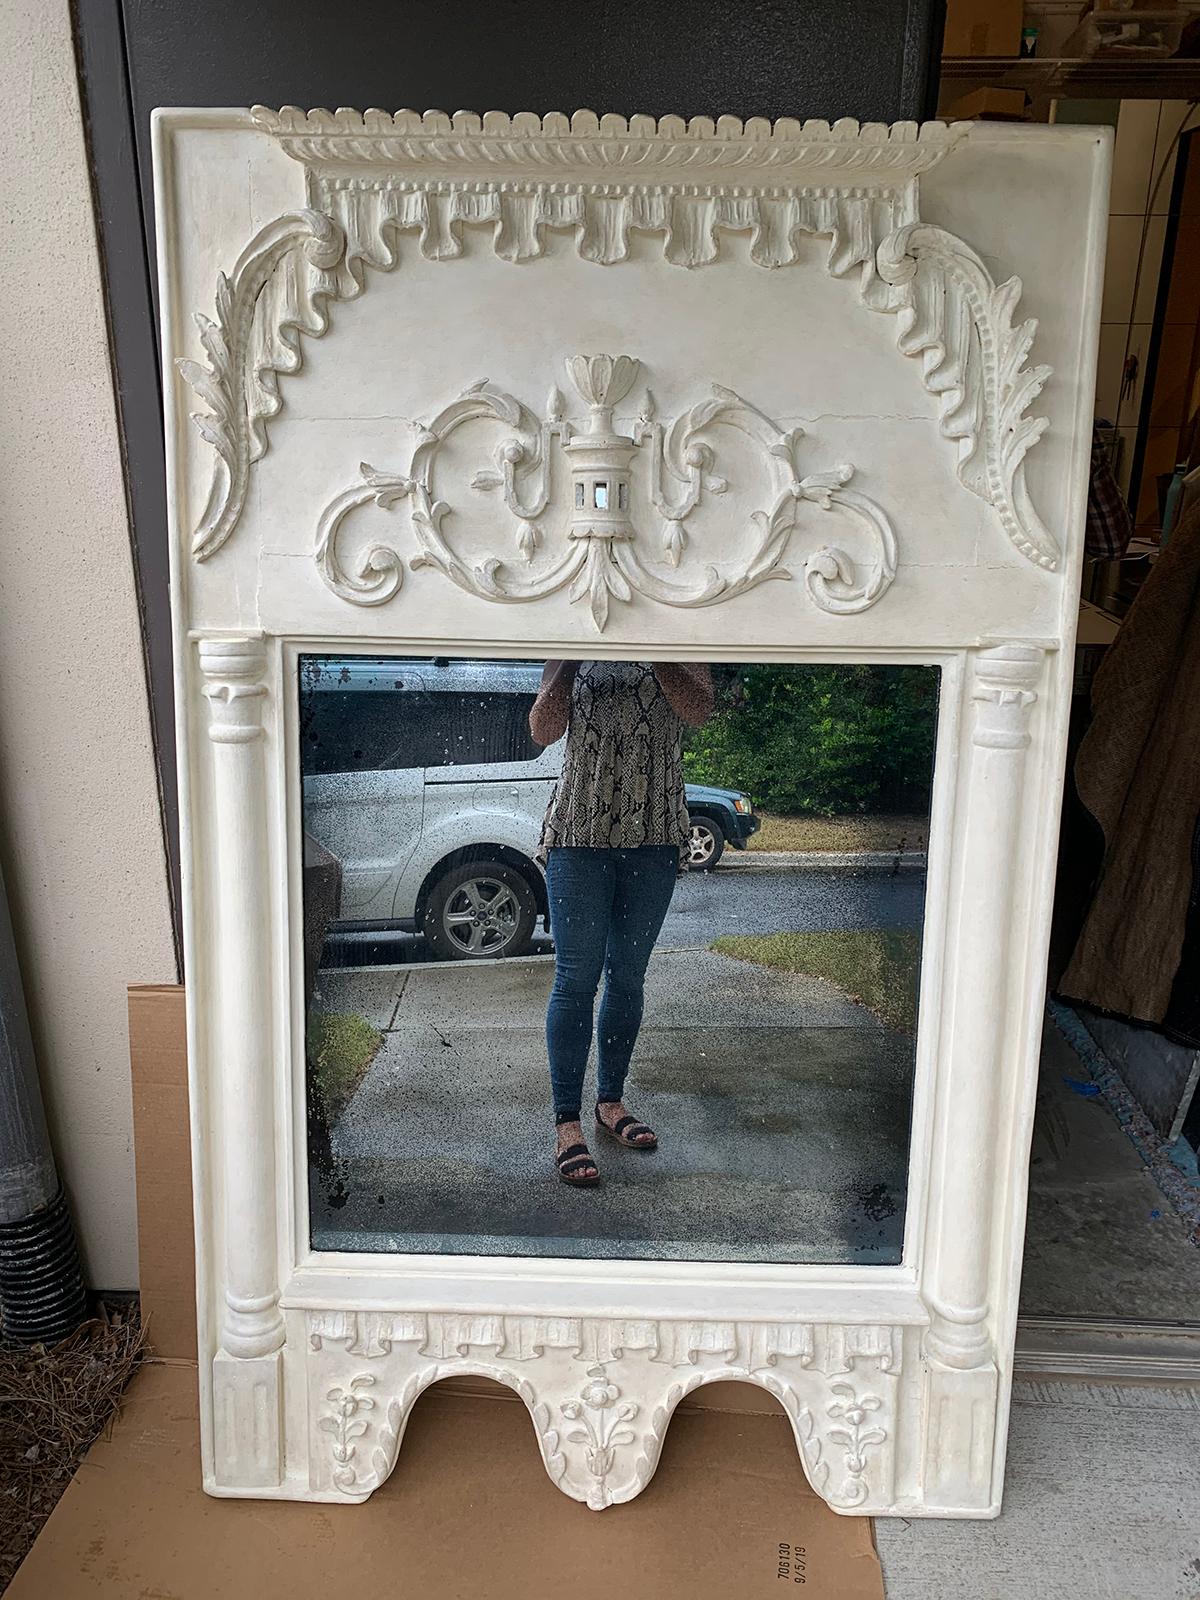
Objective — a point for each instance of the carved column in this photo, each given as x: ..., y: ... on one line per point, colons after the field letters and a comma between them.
x: 962, y: 1392
x: 246, y: 1369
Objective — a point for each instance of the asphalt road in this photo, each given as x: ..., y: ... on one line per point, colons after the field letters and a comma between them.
x: 744, y: 896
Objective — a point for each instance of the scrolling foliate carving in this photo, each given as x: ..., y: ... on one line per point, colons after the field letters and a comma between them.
x: 602, y: 555
x: 373, y: 176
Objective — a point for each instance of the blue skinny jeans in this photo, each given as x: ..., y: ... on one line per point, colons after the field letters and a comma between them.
x: 606, y: 909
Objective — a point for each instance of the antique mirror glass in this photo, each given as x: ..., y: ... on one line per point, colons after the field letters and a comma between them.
x: 777, y: 1042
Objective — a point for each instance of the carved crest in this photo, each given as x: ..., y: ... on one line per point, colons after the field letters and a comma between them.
x: 602, y: 543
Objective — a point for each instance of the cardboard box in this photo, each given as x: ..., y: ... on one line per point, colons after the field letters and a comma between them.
x: 163, y: 1152
x: 1005, y: 104
x: 468, y: 1511
x: 983, y: 28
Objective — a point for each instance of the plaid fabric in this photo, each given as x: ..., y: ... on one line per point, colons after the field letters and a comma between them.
x: 1109, y: 525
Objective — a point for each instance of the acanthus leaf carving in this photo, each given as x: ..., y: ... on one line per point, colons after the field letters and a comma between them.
x: 960, y: 325
x: 272, y: 296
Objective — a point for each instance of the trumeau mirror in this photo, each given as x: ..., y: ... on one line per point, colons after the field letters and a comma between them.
x: 624, y: 578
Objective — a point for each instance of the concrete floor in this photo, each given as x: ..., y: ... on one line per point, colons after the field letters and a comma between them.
x: 1102, y: 1502
x: 782, y: 1108
x: 1102, y: 1239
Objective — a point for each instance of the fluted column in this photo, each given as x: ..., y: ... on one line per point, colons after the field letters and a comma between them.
x: 979, y: 990
x: 251, y: 1331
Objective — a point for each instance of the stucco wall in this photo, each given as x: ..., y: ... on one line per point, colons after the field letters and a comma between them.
x: 79, y: 816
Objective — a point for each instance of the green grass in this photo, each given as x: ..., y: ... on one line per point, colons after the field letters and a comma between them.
x: 341, y: 1046
x: 840, y: 833
x: 877, y: 968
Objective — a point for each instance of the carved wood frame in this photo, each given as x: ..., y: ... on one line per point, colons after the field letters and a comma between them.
x: 895, y: 1379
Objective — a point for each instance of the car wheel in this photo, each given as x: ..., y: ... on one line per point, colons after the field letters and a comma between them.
x: 706, y: 843
x: 480, y: 909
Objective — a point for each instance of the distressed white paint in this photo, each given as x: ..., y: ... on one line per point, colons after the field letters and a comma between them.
x: 806, y: 306
x: 82, y: 835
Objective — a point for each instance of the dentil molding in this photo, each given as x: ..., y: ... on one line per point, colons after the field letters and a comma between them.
x: 371, y: 177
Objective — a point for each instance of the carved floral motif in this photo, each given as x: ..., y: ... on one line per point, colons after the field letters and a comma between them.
x: 856, y: 1436
x: 347, y: 1422
x: 602, y: 1419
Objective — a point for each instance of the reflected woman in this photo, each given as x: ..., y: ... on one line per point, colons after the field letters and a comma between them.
x: 615, y: 831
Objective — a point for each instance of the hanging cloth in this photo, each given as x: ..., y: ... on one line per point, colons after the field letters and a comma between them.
x: 1138, y: 773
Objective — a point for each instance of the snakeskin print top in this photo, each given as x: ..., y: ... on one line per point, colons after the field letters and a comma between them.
x: 621, y: 783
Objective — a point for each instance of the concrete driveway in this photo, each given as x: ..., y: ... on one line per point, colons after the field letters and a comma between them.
x: 782, y: 1109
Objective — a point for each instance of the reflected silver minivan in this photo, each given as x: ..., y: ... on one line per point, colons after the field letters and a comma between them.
x: 421, y: 777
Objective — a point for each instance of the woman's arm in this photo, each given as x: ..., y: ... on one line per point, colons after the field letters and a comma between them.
x: 550, y: 712
x: 688, y: 687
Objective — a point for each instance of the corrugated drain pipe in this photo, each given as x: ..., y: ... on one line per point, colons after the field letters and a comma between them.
x: 42, y: 1297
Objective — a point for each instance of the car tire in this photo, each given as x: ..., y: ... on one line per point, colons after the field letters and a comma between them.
x: 479, y: 910
x: 706, y: 844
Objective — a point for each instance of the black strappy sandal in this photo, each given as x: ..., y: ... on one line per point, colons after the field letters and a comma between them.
x: 624, y: 1129
x: 571, y: 1163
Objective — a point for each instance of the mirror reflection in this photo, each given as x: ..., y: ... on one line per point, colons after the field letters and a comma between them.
x: 612, y: 958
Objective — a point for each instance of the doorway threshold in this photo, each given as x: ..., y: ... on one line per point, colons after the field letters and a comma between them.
x: 1116, y: 1348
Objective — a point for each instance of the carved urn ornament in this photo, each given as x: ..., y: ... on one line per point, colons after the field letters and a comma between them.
x: 813, y: 394
x: 600, y: 547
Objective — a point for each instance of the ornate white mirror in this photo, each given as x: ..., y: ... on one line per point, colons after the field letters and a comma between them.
x: 665, y: 726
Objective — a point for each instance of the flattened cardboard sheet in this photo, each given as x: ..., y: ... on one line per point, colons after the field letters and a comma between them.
x: 468, y: 1512
x: 162, y: 1150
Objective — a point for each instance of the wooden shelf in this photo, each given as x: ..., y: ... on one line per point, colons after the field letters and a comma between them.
x: 1105, y: 78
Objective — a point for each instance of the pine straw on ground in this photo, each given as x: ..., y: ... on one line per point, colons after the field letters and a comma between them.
x: 54, y: 1401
